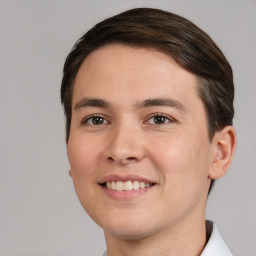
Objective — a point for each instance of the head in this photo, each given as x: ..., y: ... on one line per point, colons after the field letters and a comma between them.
x: 161, y: 35
x: 183, y: 41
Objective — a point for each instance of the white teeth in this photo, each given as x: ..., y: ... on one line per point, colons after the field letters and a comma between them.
x: 127, y: 186
x: 119, y: 185
x: 112, y: 185
x: 136, y: 185
x: 142, y: 185
x: 108, y: 185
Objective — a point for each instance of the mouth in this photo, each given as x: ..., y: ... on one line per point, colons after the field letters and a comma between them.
x: 128, y: 185
x: 126, y: 188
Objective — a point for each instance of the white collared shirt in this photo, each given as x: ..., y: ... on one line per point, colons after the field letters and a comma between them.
x: 215, y: 245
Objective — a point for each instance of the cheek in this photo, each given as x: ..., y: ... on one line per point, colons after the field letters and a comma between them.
x: 183, y: 167
x: 82, y: 155
x: 182, y: 162
x: 82, y: 169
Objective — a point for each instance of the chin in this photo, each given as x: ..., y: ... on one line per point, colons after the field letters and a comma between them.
x: 128, y: 233
x: 129, y: 227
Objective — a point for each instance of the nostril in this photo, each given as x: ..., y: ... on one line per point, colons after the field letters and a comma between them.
x: 131, y: 158
x: 110, y: 158
x: 122, y: 160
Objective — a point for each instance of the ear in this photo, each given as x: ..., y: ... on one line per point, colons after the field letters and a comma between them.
x: 70, y: 173
x: 224, y: 143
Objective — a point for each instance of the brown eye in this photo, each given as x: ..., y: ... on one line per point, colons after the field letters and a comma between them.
x: 94, y: 120
x: 97, y: 120
x: 159, y: 119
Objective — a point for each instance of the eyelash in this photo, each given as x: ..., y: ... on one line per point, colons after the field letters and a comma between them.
x: 155, y: 115
x: 161, y: 115
x: 86, y: 120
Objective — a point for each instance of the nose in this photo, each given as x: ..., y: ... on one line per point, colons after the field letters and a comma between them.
x: 125, y: 144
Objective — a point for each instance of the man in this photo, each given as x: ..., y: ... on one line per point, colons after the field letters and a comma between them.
x: 148, y: 99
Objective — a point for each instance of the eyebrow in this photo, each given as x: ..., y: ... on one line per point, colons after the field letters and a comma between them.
x: 91, y: 102
x: 162, y: 102
x: 95, y: 102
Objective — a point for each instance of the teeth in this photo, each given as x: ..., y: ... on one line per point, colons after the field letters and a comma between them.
x: 119, y: 186
x: 126, y: 186
x: 113, y: 185
x: 136, y: 185
x: 142, y: 185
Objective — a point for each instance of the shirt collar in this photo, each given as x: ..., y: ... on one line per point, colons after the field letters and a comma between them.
x: 215, y: 245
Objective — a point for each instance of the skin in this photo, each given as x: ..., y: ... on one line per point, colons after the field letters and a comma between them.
x: 176, y: 154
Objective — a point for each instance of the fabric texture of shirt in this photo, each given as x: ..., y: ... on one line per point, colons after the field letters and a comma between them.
x: 215, y: 245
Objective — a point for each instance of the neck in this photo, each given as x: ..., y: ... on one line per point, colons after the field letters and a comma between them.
x: 182, y: 239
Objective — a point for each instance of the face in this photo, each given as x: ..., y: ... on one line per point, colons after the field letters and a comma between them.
x: 139, y: 149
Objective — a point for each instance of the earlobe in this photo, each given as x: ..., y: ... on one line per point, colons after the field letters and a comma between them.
x: 224, y: 143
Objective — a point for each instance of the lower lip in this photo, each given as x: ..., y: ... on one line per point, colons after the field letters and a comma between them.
x: 125, y: 195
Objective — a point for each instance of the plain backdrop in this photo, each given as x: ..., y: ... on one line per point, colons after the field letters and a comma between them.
x: 39, y: 212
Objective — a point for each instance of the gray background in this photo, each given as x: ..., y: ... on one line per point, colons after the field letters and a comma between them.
x: 39, y: 211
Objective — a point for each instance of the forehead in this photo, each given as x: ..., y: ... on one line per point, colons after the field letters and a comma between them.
x: 125, y: 70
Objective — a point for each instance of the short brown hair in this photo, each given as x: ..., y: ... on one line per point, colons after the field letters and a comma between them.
x: 172, y: 35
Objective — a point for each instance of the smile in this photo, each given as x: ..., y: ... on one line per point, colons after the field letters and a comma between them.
x: 127, y: 185
x: 126, y: 188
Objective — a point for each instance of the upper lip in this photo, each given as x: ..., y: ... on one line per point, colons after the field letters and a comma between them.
x: 131, y: 177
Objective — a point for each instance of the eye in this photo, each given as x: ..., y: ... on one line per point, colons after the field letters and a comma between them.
x: 94, y: 120
x: 159, y: 119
